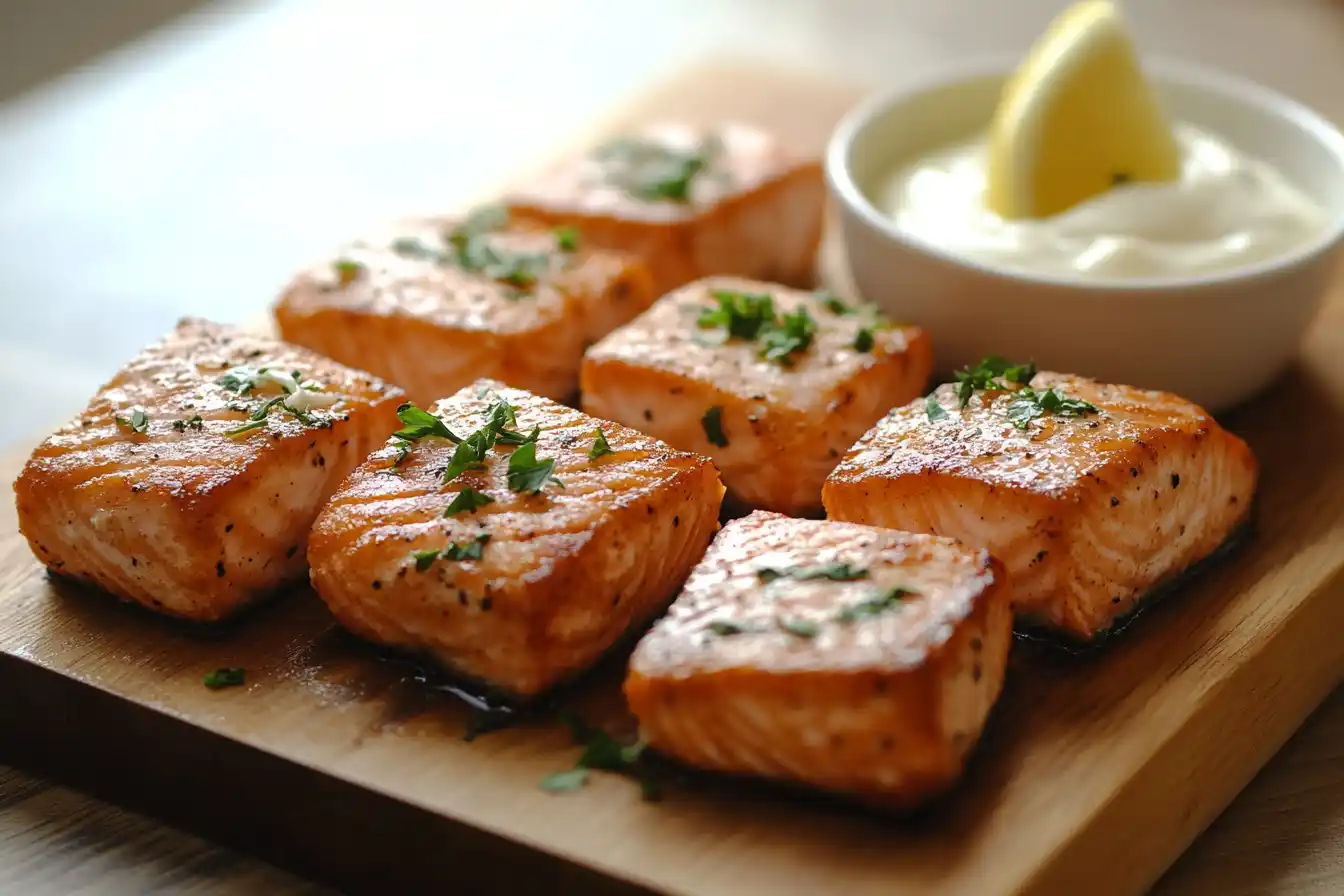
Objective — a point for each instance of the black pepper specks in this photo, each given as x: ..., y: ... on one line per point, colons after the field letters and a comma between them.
x: 1115, y: 502
x: 486, y: 603
x: 293, y: 549
x: 135, y: 562
x: 1175, y: 480
x: 1134, y: 471
x: 676, y: 520
x: 648, y: 414
x: 228, y: 528
x: 976, y: 672
x: 219, y: 569
x: 377, y: 585
x: 462, y: 597
x: 1115, y: 600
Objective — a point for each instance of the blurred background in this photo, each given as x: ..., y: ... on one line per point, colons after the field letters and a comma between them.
x: 162, y: 157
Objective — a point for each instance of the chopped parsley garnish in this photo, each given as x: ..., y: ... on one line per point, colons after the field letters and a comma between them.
x: 832, y: 303
x: 741, y: 314
x: 225, y: 678
x: 473, y: 251
x: 713, y: 424
x: 800, y: 628
x: 875, y: 605
x: 933, y: 409
x: 411, y: 247
x: 527, y: 474
x: 424, y: 559
x: 836, y: 572
x: 247, y: 427
x: 726, y: 627
x: 138, y: 421
x: 603, y: 752
x: 1028, y: 404
x: 419, y: 424
x: 986, y: 374
x: 194, y: 422
x: 751, y: 317
x: 403, y: 450
x: 863, y: 342
x: 501, y: 414
x: 296, y: 398
x: 562, y: 782
x: 793, y: 334
x: 347, y: 271
x: 471, y: 550
x: 653, y: 171
x: 470, y: 453
x: 600, y: 445
x: 567, y: 239
x: 513, y: 437
x: 468, y: 501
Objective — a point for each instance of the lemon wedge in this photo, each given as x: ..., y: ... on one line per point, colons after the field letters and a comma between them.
x: 1076, y: 119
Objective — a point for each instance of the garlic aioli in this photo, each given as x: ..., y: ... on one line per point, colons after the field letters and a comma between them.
x: 1227, y: 211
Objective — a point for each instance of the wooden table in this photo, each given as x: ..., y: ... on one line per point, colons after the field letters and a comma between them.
x: 193, y: 170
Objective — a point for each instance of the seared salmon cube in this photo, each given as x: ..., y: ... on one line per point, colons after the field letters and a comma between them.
x: 772, y: 383
x: 511, y: 540
x: 438, y: 303
x: 691, y: 201
x: 189, y: 483
x: 844, y: 657
x: 1092, y: 495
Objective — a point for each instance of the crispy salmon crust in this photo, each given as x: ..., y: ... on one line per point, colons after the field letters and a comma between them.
x: 183, y: 518
x: 775, y: 430
x: 553, y: 580
x: 1089, y: 513
x: 747, y: 205
x: 431, y: 313
x: 840, y: 656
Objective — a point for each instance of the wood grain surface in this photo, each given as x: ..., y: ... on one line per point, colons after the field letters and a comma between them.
x: 1095, y: 772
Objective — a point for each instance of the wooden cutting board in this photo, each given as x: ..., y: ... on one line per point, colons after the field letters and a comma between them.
x: 1094, y: 774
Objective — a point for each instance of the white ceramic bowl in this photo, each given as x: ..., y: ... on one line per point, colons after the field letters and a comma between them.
x: 1215, y: 339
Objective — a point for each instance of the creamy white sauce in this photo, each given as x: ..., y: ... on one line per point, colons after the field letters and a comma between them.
x: 1226, y: 211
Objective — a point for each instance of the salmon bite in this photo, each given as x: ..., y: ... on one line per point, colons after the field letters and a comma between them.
x: 189, y: 483
x: 1093, y: 495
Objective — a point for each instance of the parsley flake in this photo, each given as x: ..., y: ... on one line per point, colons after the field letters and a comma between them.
x: 194, y: 422
x: 470, y: 454
x: 875, y: 605
x: 600, y: 751
x: 800, y: 628
x: 832, y: 303
x: 527, y: 474
x: 562, y: 782
x: 794, y: 334
x: 713, y: 424
x: 653, y: 171
x: 567, y: 239
x: 347, y: 271
x: 726, y: 627
x: 419, y: 424
x: 1028, y: 404
x: 600, y: 445
x: 468, y: 501
x: 471, y: 550
x: 836, y: 572
x: 225, y: 678
x: 247, y: 427
x: 933, y: 409
x: 424, y: 559
x: 138, y: 421
x: 863, y: 342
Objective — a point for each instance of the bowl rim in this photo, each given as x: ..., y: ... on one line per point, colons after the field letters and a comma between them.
x: 1200, y: 77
